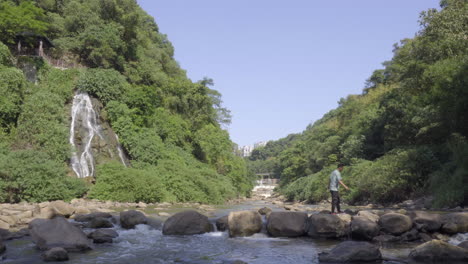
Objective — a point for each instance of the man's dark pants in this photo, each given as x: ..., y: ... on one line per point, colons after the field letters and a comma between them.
x: 335, y: 201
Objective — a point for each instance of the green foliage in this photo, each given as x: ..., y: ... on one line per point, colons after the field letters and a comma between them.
x: 5, y: 56
x: 31, y: 176
x: 25, y: 17
x: 105, y: 84
x: 117, y: 183
x: 43, y: 122
x: 12, y: 89
x: 172, y: 128
x: 449, y: 184
x: 169, y: 126
x: 395, y: 134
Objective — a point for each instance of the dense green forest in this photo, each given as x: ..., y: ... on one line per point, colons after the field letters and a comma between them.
x: 170, y: 126
x: 404, y: 137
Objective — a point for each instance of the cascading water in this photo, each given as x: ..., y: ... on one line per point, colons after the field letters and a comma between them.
x: 121, y: 153
x: 84, y: 117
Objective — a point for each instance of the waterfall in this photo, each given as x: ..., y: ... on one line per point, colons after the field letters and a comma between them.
x: 121, y: 153
x: 83, y: 117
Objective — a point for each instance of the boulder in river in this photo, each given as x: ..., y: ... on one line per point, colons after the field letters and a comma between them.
x: 58, y: 232
x: 129, y: 219
x: 100, y: 222
x: 395, y: 224
x: 455, y: 223
x: 437, y: 251
x: 352, y: 252
x: 326, y: 226
x: 287, y: 224
x: 426, y: 222
x: 55, y: 254
x: 363, y: 229
x: 103, y: 235
x: 2, y: 247
x: 188, y: 222
x: 62, y: 208
x: 264, y: 211
x: 464, y: 244
x: 222, y: 223
x: 91, y: 216
x: 244, y: 223
x: 369, y: 215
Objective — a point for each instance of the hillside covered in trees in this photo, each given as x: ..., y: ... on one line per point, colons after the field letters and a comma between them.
x: 170, y: 126
x: 404, y: 137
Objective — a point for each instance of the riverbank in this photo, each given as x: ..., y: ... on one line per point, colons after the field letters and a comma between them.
x: 147, y: 244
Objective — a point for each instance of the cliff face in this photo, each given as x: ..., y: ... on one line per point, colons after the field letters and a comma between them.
x: 93, y: 140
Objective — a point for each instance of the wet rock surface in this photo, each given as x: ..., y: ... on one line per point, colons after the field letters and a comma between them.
x: 244, y: 223
x: 58, y: 232
x: 187, y: 223
x: 438, y: 251
x: 352, y: 252
x: 287, y: 224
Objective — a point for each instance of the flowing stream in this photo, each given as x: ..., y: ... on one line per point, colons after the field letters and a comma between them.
x: 146, y: 244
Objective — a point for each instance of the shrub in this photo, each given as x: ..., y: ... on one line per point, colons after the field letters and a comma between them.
x: 117, y: 183
x: 449, y: 184
x: 31, y: 176
x: 12, y: 87
x: 105, y: 84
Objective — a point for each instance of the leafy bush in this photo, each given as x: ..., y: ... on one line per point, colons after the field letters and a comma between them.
x: 117, y: 183
x: 105, y: 84
x: 449, y: 184
x: 43, y: 124
x: 5, y: 55
x: 12, y: 88
x: 31, y: 176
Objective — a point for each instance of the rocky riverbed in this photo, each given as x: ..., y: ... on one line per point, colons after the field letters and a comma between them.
x: 256, y: 230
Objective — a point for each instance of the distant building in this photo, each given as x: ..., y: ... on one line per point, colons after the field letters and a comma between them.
x: 246, y: 151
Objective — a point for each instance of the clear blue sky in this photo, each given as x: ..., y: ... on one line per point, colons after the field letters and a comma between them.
x: 281, y: 65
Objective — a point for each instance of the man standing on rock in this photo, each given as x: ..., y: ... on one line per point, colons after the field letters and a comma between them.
x: 335, y: 178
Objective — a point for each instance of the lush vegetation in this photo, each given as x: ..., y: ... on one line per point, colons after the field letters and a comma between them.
x: 170, y: 127
x: 404, y: 137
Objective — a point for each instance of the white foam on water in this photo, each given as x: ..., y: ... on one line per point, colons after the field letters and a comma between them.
x: 458, y: 238
x: 264, y: 237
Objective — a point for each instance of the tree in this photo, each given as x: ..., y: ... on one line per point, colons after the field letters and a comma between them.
x: 25, y: 17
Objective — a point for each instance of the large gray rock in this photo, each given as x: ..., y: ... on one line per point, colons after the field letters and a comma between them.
x: 55, y: 254
x: 326, y: 226
x: 62, y: 208
x: 244, y: 223
x: 222, y: 223
x: 100, y: 222
x: 369, y: 215
x: 352, y: 251
x: 187, y: 223
x: 265, y: 211
x: 464, y: 244
x: 363, y: 229
x: 455, y: 223
x: 287, y: 224
x: 437, y: 251
x: 58, y: 232
x: 103, y: 235
x: 129, y: 219
x: 2, y: 247
x: 426, y: 222
x: 395, y: 224
x: 91, y: 216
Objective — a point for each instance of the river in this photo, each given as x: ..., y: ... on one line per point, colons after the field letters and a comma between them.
x: 146, y: 244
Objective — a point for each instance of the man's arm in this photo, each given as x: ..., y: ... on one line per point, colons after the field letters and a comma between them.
x: 344, y: 185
